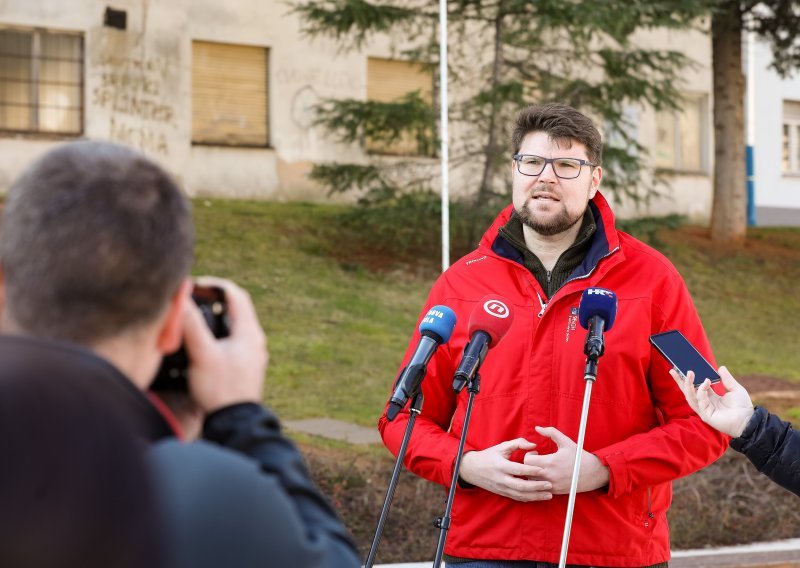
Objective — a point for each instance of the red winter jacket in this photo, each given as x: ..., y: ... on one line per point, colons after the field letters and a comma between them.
x: 639, y: 424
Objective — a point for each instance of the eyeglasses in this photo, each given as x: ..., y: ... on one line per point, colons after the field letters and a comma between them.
x: 565, y: 168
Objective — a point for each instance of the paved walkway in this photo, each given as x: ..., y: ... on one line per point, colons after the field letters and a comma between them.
x: 335, y: 430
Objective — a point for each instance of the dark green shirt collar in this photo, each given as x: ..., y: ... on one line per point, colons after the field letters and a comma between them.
x: 569, y: 260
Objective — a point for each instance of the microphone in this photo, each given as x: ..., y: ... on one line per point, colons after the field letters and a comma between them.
x: 489, y: 322
x: 597, y: 311
x: 436, y: 328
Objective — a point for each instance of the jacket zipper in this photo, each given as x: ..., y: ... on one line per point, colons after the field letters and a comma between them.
x: 544, y: 304
x: 650, y: 514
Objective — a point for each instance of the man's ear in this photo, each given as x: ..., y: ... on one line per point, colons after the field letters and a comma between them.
x: 597, y: 175
x: 170, y: 335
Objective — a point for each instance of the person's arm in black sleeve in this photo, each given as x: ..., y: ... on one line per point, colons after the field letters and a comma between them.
x: 226, y: 381
x: 767, y: 441
x: 774, y: 448
x: 254, y: 431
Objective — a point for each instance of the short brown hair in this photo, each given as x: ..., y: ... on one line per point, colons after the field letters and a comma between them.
x: 95, y: 239
x: 563, y: 124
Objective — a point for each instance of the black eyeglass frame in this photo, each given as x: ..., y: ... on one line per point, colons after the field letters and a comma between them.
x: 518, y: 157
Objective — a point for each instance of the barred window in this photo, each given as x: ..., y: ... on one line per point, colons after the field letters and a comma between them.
x: 41, y: 81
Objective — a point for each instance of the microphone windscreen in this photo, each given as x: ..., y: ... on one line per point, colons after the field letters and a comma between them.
x: 597, y: 302
x: 439, y: 320
x: 493, y: 315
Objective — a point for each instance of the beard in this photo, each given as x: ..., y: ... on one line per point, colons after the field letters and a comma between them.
x: 561, y: 223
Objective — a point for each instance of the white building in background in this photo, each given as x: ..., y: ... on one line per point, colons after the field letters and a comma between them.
x: 221, y: 94
x: 776, y: 141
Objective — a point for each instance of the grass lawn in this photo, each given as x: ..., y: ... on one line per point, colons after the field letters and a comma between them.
x: 337, y: 331
x: 747, y: 297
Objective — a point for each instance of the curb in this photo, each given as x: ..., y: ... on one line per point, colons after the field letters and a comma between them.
x: 783, y: 552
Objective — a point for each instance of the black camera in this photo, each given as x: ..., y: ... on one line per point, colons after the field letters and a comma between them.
x: 172, y: 375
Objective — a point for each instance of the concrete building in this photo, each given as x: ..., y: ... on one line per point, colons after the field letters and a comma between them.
x: 217, y: 92
x: 222, y: 95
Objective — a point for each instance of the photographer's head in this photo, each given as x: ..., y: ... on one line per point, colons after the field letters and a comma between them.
x: 96, y: 243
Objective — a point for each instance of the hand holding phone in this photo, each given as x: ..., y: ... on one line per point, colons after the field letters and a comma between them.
x: 683, y: 356
x: 729, y: 412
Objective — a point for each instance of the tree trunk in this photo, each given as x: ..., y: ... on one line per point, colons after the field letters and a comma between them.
x: 729, y: 209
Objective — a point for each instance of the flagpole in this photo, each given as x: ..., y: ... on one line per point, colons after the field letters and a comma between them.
x: 444, y: 134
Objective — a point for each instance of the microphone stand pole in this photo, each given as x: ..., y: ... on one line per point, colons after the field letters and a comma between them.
x: 414, y: 410
x: 443, y: 522
x: 590, y: 376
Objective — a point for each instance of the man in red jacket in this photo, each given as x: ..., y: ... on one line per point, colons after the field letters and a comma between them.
x: 555, y: 240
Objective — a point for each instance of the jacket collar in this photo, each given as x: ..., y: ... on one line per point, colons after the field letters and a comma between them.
x: 604, y: 242
x: 25, y: 356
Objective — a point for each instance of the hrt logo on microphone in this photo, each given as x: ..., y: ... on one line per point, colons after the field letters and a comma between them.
x: 600, y: 292
x: 496, y: 308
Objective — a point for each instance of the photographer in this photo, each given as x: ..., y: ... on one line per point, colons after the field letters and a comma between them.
x: 96, y: 245
x: 75, y: 487
x: 767, y: 441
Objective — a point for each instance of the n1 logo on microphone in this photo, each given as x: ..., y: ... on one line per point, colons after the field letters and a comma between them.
x: 600, y: 292
x: 496, y: 308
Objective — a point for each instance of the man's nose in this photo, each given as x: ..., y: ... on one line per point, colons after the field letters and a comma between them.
x: 548, y: 174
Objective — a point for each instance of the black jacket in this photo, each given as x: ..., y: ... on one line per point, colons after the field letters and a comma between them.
x: 241, y: 497
x: 773, y: 447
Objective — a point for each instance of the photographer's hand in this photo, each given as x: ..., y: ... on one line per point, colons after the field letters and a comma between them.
x: 231, y: 370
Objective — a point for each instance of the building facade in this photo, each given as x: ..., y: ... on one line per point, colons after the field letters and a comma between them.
x: 774, y: 133
x: 222, y: 94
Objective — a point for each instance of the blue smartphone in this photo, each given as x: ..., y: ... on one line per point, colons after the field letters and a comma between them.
x: 683, y: 356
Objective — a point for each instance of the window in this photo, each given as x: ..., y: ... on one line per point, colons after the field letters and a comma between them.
x: 229, y: 94
x: 41, y: 81
x: 790, y: 157
x: 389, y: 80
x: 681, y: 136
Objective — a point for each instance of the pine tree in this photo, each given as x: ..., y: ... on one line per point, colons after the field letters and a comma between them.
x: 506, y: 54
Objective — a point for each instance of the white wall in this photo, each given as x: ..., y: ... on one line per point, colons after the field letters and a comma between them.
x: 775, y: 192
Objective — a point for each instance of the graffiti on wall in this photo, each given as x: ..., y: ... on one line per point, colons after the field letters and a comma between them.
x: 141, y: 137
x: 310, y: 86
x: 328, y: 79
x: 141, y: 109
